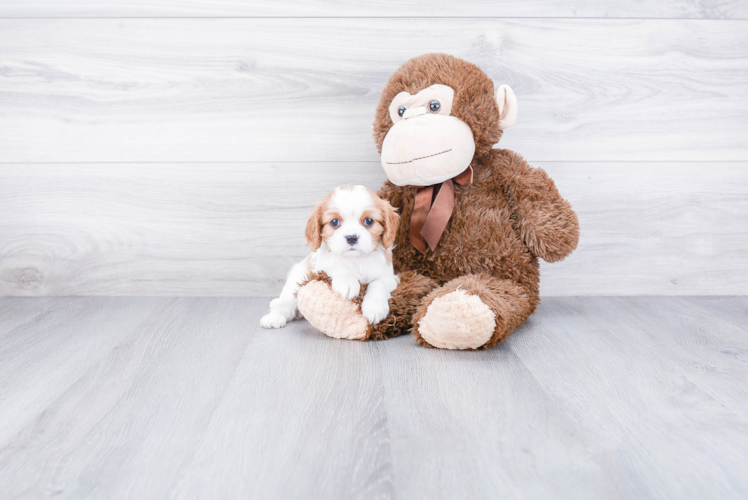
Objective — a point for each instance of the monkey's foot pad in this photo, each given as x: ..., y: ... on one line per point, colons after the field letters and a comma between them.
x: 457, y: 320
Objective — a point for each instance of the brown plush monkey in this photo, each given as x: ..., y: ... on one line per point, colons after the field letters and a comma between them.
x: 474, y: 220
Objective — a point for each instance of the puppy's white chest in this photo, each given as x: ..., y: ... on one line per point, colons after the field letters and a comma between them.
x: 365, y: 268
x: 366, y: 274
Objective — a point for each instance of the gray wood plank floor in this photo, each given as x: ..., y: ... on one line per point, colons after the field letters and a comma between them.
x: 605, y: 397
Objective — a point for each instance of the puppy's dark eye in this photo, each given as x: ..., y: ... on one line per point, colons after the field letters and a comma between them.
x: 335, y: 223
x: 368, y: 222
x: 434, y: 106
x: 401, y: 111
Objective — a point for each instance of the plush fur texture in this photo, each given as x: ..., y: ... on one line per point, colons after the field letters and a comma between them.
x: 341, y: 318
x: 501, y: 224
x: 405, y: 301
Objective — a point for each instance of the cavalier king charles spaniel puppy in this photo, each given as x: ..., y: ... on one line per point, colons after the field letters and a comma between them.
x: 351, y: 233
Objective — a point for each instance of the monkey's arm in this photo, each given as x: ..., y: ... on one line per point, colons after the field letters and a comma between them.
x: 546, y: 222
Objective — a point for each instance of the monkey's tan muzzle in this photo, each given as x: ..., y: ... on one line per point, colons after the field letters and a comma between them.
x: 425, y: 149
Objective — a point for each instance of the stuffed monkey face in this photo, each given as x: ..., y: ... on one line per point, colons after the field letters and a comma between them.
x: 429, y: 141
x: 426, y: 145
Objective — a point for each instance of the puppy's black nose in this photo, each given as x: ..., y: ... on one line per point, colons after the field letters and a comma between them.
x: 351, y: 239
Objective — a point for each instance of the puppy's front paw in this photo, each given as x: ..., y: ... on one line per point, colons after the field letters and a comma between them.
x: 347, y: 288
x: 374, y: 308
x: 273, y: 319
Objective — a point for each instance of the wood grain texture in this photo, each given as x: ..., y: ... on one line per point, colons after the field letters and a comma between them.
x: 616, y: 366
x: 17, y: 312
x: 236, y: 229
x: 731, y: 309
x: 52, y: 351
x: 715, y: 353
x: 185, y: 229
x: 712, y: 9
x: 478, y: 425
x: 700, y: 9
x: 592, y: 398
x: 327, y: 438
x: 187, y: 403
x: 181, y: 90
x: 653, y: 229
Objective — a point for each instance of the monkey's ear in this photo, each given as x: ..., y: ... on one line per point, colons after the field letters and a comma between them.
x: 507, y: 103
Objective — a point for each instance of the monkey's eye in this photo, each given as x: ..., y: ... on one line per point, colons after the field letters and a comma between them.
x: 401, y: 111
x: 434, y: 106
x: 368, y: 221
x: 335, y: 223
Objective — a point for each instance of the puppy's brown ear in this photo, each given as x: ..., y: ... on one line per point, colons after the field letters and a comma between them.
x: 314, y: 228
x: 390, y: 221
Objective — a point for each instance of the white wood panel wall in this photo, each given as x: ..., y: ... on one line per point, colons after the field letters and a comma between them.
x: 168, y: 90
x: 694, y: 9
x: 180, y: 152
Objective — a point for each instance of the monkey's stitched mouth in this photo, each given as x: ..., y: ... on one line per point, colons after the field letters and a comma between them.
x: 414, y: 159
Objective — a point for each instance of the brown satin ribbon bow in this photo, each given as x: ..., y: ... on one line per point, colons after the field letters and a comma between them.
x: 429, y: 220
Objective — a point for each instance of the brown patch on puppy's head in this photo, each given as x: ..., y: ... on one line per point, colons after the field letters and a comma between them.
x: 386, y: 222
x: 390, y: 221
x: 343, y: 219
x: 315, y: 224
